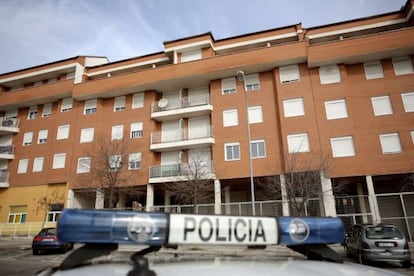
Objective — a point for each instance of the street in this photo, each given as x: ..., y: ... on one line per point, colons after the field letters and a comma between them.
x: 16, y: 256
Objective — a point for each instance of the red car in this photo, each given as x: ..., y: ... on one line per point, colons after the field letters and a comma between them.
x: 46, y: 240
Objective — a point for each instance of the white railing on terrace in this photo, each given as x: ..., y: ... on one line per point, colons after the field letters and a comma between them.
x: 182, y: 169
x: 4, y: 177
x: 9, y: 122
x: 7, y: 149
x: 181, y: 103
x: 179, y: 135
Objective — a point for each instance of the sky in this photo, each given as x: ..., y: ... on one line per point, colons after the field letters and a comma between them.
x: 37, y: 32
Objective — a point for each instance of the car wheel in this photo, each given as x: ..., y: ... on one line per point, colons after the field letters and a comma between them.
x: 406, y: 264
x: 35, y: 252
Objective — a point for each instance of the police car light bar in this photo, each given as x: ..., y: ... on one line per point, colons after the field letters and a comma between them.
x: 159, y: 229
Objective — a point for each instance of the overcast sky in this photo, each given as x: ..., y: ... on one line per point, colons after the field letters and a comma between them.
x: 35, y: 32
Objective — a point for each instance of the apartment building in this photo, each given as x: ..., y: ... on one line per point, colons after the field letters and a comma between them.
x: 341, y: 93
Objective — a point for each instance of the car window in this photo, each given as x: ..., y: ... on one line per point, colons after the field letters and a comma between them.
x: 48, y: 231
x: 383, y: 232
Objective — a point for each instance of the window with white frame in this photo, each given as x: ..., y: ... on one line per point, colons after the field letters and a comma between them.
x: 38, y: 164
x: 390, y: 143
x: 381, y: 105
x: 17, y: 214
x: 114, y: 162
x: 137, y: 100
x: 31, y: 115
x: 252, y: 82
x: 255, y: 114
x: 298, y: 143
x: 329, y: 74
x: 136, y: 130
x: 342, y: 146
x: 42, y: 136
x: 412, y: 135
x: 119, y: 103
x: 22, y: 166
x: 293, y: 107
x: 230, y: 118
x: 84, y: 165
x: 232, y: 151
x: 336, y: 109
x: 27, y: 138
x: 402, y: 66
x: 190, y: 56
x: 55, y: 209
x: 67, y: 105
x: 373, y: 70
x: 90, y: 107
x: 117, y: 132
x: 134, y: 161
x: 228, y: 86
x: 63, y: 132
x: 87, y: 135
x: 59, y: 160
x: 289, y: 73
x: 47, y: 110
x: 258, y: 148
x: 408, y: 101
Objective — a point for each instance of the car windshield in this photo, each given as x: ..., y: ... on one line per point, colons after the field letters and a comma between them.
x: 48, y: 231
x: 383, y: 232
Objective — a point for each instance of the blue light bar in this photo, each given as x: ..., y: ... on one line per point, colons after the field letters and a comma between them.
x: 158, y: 229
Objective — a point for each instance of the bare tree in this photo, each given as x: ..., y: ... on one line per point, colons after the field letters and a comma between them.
x: 105, y: 168
x: 45, y: 203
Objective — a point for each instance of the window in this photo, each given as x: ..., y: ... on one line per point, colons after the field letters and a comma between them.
x: 138, y: 100
x: 252, y: 82
x: 22, y: 167
x: 90, y: 106
x: 408, y: 101
x: 42, y: 136
x: 289, y: 73
x: 228, y: 86
x: 38, y: 164
x: 47, y: 110
x: 381, y: 105
x: 329, y: 74
x: 119, y: 103
x: 373, y: 70
x: 59, y: 160
x: 54, y: 212
x: 258, y: 149
x: 17, y: 214
x: 117, y: 132
x: 32, y: 113
x: 412, y: 136
x: 255, y: 114
x: 342, y: 146
x: 298, y: 143
x: 293, y: 107
x: 27, y: 138
x: 67, y: 105
x: 402, y: 66
x: 336, y: 109
x: 63, y: 132
x: 189, y: 56
x: 232, y: 151
x: 84, y: 165
x: 230, y: 118
x: 390, y: 143
x: 114, y: 162
x: 134, y: 161
x: 87, y: 135
x: 136, y: 130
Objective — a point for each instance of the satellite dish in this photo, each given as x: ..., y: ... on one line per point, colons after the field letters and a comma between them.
x: 163, y: 103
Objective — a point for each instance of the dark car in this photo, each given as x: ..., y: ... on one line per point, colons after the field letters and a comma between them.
x: 378, y: 243
x: 46, y: 241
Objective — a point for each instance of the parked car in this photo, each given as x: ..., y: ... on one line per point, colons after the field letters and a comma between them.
x: 46, y: 240
x: 377, y: 243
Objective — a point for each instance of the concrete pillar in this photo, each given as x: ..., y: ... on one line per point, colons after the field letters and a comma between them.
x: 227, y: 199
x: 361, y: 202
x: 328, y: 196
x: 283, y: 191
x: 99, y: 199
x: 70, y: 200
x: 121, y: 200
x: 372, y: 199
x: 150, y: 198
x: 167, y: 201
x: 217, y: 197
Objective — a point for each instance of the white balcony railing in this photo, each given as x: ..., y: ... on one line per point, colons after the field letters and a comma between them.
x: 185, y: 102
x: 180, y: 135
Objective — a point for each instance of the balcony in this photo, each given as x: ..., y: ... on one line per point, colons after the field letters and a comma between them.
x: 4, y: 179
x: 9, y: 126
x: 181, y: 139
x: 7, y: 152
x: 179, y: 172
x: 185, y: 107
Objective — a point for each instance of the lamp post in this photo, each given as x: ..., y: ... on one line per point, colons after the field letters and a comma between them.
x: 241, y: 77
